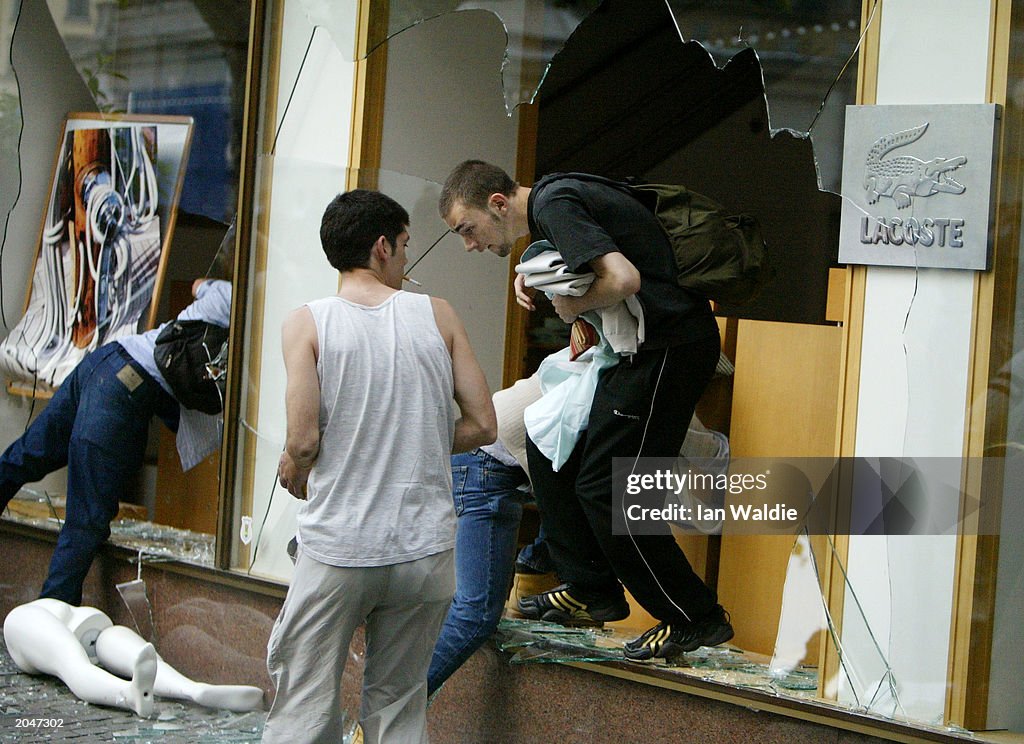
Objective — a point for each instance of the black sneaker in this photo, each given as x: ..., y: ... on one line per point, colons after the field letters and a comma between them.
x: 667, y: 640
x: 567, y: 606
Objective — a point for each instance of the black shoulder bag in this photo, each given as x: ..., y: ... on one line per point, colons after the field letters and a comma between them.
x: 192, y: 356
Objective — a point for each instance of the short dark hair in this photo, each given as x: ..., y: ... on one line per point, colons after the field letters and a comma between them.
x: 352, y: 223
x: 471, y: 183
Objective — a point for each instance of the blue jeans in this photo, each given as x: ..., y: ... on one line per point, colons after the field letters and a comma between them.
x: 489, y: 506
x: 98, y: 427
x: 535, y: 556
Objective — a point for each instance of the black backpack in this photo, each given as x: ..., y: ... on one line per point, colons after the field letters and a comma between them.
x: 719, y: 256
x: 192, y: 356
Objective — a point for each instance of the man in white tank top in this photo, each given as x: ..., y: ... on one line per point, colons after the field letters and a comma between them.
x: 374, y: 375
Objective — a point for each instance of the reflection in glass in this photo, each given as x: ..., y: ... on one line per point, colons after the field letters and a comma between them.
x: 158, y: 59
x: 535, y: 31
x: 801, y: 46
x: 687, y: 120
x: 1005, y: 405
x: 178, y: 58
x: 10, y: 118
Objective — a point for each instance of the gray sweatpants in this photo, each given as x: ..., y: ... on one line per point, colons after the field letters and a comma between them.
x: 403, y: 606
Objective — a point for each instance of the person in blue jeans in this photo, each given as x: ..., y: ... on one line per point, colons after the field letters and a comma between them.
x: 96, y: 424
x: 489, y: 487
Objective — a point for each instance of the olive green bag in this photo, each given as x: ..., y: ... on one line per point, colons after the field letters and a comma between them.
x: 719, y: 256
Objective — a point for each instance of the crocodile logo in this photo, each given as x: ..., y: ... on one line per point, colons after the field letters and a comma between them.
x: 904, y: 177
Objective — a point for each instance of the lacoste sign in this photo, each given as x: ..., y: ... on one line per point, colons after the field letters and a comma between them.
x: 917, y: 185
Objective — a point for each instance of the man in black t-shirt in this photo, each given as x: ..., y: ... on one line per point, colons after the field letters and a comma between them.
x: 641, y: 407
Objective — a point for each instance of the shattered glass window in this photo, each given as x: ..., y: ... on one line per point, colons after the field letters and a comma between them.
x: 698, y: 114
x: 120, y: 134
x: 181, y: 59
x: 743, y: 101
x: 11, y: 121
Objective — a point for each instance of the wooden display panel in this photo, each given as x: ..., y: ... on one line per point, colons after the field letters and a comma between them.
x: 785, y: 393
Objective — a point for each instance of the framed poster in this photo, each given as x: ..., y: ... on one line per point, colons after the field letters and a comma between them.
x: 103, y: 245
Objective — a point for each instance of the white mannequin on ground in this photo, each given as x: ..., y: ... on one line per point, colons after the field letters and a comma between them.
x: 117, y: 646
x: 56, y: 638
x: 41, y: 638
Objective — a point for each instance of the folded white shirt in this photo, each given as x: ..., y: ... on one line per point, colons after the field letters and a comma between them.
x: 569, y: 287
x: 544, y: 261
x: 547, y: 271
x: 564, y: 284
x: 548, y: 275
x: 622, y: 324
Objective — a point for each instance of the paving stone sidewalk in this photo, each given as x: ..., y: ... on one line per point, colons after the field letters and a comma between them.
x: 43, y: 709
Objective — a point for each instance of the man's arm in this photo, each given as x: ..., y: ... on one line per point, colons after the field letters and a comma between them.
x: 616, y: 278
x: 478, y: 425
x: 212, y: 302
x: 302, y: 401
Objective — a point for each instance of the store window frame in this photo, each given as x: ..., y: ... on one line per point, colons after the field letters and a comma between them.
x: 251, y: 11
x: 245, y: 217
x: 994, y: 314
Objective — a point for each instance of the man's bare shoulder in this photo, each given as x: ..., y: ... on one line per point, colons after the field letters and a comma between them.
x: 298, y: 327
x: 444, y: 310
x: 442, y: 306
x: 298, y: 317
x: 448, y: 321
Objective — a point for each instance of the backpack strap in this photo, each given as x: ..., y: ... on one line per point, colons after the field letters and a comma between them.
x: 629, y: 186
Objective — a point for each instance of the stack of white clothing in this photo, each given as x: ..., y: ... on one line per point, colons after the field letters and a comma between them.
x: 548, y: 272
x: 555, y: 422
x: 622, y: 324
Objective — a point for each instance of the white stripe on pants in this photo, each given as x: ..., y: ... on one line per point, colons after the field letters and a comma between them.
x: 403, y: 606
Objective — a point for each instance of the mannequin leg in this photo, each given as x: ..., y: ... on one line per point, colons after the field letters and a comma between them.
x: 40, y: 643
x: 85, y: 623
x: 116, y: 647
